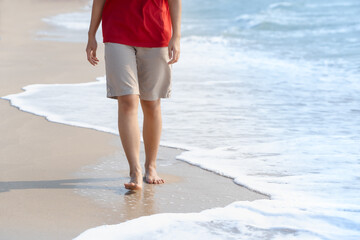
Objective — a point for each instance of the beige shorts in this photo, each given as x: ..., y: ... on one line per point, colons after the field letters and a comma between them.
x: 137, y: 70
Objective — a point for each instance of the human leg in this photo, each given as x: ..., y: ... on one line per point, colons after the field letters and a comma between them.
x: 154, y: 74
x: 130, y: 137
x: 122, y: 84
x: 151, y: 134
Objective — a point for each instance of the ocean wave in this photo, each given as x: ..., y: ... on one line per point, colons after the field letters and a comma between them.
x: 332, y: 5
x: 281, y: 5
x: 260, y: 219
x: 74, y: 20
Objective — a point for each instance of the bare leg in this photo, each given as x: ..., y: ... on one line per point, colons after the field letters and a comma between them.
x: 130, y: 137
x: 151, y: 134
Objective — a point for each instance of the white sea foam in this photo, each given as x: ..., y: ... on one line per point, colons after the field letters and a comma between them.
x: 261, y: 219
x: 81, y: 22
x: 71, y: 26
x: 72, y: 20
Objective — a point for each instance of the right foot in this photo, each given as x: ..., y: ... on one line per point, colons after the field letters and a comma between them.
x: 135, y: 181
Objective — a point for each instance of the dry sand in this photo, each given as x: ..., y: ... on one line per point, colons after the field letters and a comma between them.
x: 56, y: 181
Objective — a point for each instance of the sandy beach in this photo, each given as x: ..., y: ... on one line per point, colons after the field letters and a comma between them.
x: 45, y: 193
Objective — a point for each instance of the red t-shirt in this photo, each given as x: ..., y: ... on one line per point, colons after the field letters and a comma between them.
x: 141, y: 23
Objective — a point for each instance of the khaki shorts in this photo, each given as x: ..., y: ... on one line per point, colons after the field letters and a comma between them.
x: 137, y: 70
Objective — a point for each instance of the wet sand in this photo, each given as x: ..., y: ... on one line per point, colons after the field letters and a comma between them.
x: 56, y: 180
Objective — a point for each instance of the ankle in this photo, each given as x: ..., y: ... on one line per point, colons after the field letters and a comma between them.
x: 149, y: 167
x: 134, y: 171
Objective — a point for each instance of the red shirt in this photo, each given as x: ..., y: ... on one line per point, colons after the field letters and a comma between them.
x: 141, y: 23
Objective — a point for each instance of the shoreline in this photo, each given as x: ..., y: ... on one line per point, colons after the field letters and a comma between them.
x: 24, y: 89
x: 43, y: 178
x: 50, y: 118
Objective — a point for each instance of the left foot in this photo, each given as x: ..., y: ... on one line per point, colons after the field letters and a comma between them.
x: 152, y: 177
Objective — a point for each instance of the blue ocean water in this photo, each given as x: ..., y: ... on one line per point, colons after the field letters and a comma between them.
x: 265, y: 92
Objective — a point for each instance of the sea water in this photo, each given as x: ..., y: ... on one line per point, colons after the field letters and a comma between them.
x: 265, y: 92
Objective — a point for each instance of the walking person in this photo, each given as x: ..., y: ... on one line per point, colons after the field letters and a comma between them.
x: 142, y: 41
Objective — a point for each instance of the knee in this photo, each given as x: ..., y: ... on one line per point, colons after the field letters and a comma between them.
x: 151, y: 107
x: 127, y: 104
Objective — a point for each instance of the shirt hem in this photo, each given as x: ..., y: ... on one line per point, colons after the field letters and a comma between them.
x: 139, y: 44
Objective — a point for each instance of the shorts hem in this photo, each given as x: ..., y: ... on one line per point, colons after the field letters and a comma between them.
x: 153, y: 98
x: 121, y: 94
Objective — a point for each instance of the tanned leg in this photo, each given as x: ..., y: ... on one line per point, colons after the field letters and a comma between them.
x: 151, y: 134
x: 130, y: 137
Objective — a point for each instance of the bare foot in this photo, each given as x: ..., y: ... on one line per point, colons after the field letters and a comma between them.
x: 152, y: 177
x: 135, y: 181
